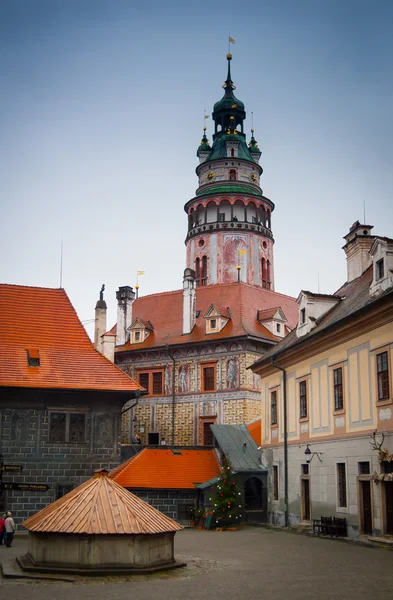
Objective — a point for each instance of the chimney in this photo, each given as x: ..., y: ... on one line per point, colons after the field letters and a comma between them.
x: 357, y: 249
x: 100, y: 320
x: 189, y: 300
x: 125, y: 297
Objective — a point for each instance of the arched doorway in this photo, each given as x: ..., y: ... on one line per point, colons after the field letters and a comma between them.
x: 255, y: 500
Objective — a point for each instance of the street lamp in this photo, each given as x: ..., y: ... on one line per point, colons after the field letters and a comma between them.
x: 310, y: 455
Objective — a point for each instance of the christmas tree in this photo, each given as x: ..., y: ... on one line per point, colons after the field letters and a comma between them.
x: 227, y: 506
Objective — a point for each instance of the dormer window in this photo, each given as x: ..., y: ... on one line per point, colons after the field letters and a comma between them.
x: 312, y: 307
x: 302, y: 316
x: 380, y: 269
x: 140, y: 331
x: 216, y: 318
x: 33, y: 358
x: 278, y: 327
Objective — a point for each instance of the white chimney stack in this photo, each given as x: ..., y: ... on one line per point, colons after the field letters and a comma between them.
x: 125, y: 297
x: 357, y: 250
x: 189, y: 300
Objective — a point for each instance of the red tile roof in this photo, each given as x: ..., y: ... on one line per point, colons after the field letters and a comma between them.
x: 255, y: 429
x: 157, y: 468
x: 44, y: 320
x: 165, y: 311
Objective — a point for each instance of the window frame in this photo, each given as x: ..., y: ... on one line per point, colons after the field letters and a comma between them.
x: 341, y: 490
x: 273, y: 423
x: 275, y: 483
x: 336, y: 387
x: 381, y: 400
x: 150, y: 388
x: 380, y: 269
x: 67, y: 413
x: 206, y: 365
x: 304, y: 382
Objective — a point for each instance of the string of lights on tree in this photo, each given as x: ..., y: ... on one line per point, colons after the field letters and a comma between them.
x: 226, y: 502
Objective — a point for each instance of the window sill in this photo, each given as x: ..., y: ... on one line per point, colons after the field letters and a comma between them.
x: 275, y: 426
x: 384, y: 402
x: 339, y: 411
x: 304, y: 419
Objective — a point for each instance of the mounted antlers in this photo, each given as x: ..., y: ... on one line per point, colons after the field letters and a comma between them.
x: 383, y: 453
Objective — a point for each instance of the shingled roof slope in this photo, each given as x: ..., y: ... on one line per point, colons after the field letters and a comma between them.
x: 238, y: 446
x: 165, y: 311
x: 158, y: 468
x: 354, y: 297
x: 100, y: 506
x: 43, y: 319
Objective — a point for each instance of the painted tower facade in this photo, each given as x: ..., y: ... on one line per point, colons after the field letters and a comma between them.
x: 229, y: 234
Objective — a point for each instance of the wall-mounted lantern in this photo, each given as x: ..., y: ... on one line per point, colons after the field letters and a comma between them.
x: 310, y: 455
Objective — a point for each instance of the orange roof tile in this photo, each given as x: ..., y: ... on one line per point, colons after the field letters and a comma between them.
x: 44, y: 319
x: 157, y: 468
x: 255, y: 429
x: 100, y: 506
x: 165, y: 310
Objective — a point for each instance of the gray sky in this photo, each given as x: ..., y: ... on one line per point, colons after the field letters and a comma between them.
x: 101, y: 114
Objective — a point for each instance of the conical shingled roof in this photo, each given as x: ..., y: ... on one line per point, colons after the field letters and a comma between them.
x: 100, y: 506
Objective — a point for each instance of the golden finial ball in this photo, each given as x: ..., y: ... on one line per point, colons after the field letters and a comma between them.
x: 229, y: 56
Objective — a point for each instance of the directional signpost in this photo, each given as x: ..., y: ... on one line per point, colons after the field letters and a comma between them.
x: 26, y: 487
x: 11, y: 468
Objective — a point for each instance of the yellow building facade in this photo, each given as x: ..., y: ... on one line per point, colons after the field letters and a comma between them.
x: 336, y: 368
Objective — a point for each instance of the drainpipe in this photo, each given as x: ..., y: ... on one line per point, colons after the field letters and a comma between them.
x: 173, y: 395
x: 285, y: 442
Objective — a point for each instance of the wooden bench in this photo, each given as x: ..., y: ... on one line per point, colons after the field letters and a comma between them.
x: 332, y: 526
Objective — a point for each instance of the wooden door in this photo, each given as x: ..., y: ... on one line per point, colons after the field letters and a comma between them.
x: 389, y: 507
x: 366, y: 515
x: 305, y: 499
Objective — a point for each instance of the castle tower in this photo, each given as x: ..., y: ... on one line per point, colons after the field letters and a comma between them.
x: 229, y: 219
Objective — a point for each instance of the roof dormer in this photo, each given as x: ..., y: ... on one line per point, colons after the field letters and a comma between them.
x: 382, y: 258
x: 274, y: 320
x: 140, y: 331
x: 311, y: 308
x: 216, y: 318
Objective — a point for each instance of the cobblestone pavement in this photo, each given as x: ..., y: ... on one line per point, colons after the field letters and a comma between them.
x: 254, y: 564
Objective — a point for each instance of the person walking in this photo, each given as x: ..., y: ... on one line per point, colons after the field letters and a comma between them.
x: 2, y: 529
x: 9, y: 529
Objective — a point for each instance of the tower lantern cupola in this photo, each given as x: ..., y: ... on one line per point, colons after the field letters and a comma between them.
x: 229, y: 220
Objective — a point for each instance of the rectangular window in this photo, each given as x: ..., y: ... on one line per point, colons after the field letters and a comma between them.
x: 77, y: 430
x: 341, y: 485
x: 273, y: 404
x: 57, y: 431
x: 207, y: 433
x: 278, y: 327
x: 67, y: 427
x: 305, y: 469
x: 157, y: 383
x: 364, y: 467
x: 380, y: 268
x: 209, y: 378
x: 303, y: 399
x: 137, y: 336
x: 338, y: 388
x: 302, y: 316
x: 383, y: 376
x: 221, y: 217
x: 213, y: 323
x: 275, y: 482
x: 152, y: 381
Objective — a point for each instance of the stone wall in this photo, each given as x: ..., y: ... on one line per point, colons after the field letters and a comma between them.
x: 168, y: 501
x: 323, y: 481
x: 24, y: 436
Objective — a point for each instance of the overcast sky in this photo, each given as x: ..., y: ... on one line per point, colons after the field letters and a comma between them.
x: 101, y: 114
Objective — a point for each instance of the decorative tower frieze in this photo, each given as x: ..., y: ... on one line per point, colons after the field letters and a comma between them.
x: 229, y: 219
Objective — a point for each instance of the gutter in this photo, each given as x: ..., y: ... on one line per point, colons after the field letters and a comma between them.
x: 286, y: 515
x: 137, y: 396
x: 173, y: 395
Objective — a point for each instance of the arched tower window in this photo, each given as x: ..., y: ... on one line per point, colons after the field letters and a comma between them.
x: 204, y: 271
x: 264, y: 274
x: 197, y: 270
x: 232, y: 175
x: 268, y: 283
x: 232, y: 152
